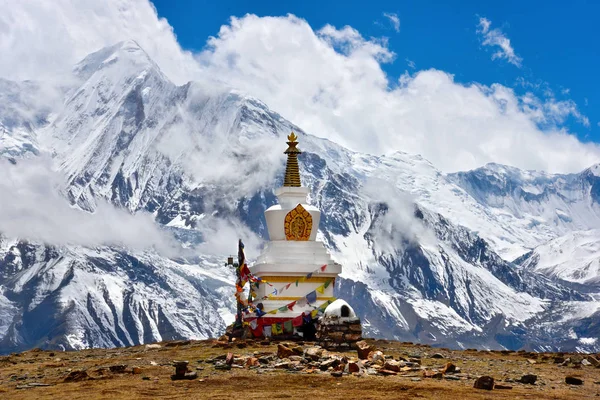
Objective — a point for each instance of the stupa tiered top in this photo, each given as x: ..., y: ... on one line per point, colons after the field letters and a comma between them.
x: 293, y: 259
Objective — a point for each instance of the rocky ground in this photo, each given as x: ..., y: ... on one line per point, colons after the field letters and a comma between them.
x: 261, y: 370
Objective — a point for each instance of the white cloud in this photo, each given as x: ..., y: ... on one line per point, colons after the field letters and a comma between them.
x: 330, y: 82
x: 411, y: 64
x: 496, y: 38
x: 337, y: 89
x: 394, y: 20
x: 43, y: 37
x: 32, y: 208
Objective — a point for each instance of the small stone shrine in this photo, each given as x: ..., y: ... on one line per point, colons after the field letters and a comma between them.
x: 339, y: 327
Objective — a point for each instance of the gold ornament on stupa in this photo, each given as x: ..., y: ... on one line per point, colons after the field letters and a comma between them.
x: 292, y: 172
x: 298, y: 224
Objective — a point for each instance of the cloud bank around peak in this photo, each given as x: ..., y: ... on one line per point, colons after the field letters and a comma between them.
x: 328, y: 81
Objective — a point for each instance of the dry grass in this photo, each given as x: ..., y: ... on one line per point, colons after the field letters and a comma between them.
x: 248, y: 384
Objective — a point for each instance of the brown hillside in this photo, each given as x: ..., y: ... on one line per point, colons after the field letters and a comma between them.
x: 254, y: 371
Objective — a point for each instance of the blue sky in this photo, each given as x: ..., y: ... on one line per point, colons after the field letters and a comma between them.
x: 557, y: 41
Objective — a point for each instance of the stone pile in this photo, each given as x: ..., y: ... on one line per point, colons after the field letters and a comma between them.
x: 314, y: 359
x: 340, y: 336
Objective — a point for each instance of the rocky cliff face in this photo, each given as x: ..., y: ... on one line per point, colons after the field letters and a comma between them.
x: 426, y: 256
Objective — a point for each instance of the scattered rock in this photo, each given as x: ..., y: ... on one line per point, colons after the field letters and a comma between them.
x: 392, y: 365
x: 585, y: 362
x: 314, y: 353
x: 337, y: 374
x: 222, y: 365
x: 331, y: 363
x: 502, y: 387
x: 136, y: 370
x: 117, y: 369
x: 77, y: 376
x: 363, y: 349
x: 182, y: 372
x: 229, y: 359
x: 449, y: 368
x: 484, y: 382
x: 252, y: 362
x: 387, y: 372
x: 376, y: 357
x: 284, y: 351
x: 354, y: 367
x: 176, y: 343
x: 437, y: 355
x: 593, y: 361
x: 572, y: 380
x: 559, y: 360
x: 282, y: 365
x: 433, y: 374
x: 530, y: 361
x: 153, y: 346
x: 528, y: 379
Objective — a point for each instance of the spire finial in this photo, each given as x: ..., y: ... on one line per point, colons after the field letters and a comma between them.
x: 292, y: 172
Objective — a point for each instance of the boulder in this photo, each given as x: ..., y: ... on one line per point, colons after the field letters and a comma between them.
x: 437, y: 355
x: 354, y: 366
x: 433, y: 374
x: 252, y: 362
x: 484, y: 382
x: 593, y: 361
x: 284, y: 351
x: 449, y: 368
x: 528, y: 379
x: 392, y: 365
x: 501, y: 387
x: 314, y: 353
x: 387, y: 372
x: 376, y: 357
x: 572, y: 380
x: 363, y: 349
x: 77, y: 376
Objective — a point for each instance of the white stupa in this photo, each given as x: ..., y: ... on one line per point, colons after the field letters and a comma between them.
x: 293, y: 252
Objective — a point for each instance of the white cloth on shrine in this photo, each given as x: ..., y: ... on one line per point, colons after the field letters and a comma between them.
x: 267, y: 331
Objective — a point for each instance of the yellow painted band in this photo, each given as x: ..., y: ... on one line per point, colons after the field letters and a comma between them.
x: 293, y: 279
x: 275, y: 298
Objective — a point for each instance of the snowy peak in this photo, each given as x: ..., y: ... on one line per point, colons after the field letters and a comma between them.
x: 574, y: 257
x: 128, y: 55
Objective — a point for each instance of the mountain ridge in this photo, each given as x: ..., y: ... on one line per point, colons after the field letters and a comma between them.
x: 424, y: 251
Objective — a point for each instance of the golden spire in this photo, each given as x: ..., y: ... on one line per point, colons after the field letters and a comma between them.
x: 292, y: 173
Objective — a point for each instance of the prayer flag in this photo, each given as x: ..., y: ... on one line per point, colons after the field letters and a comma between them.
x: 309, y: 275
x: 320, y: 289
x: 314, y: 313
x: 323, y: 267
x: 311, y: 297
x: 327, y: 283
x: 297, y: 321
x: 291, y: 305
x: 282, y: 309
x: 288, y: 327
x: 276, y: 329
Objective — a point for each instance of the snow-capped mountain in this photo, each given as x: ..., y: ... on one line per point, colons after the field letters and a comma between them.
x: 426, y: 255
x: 574, y: 257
